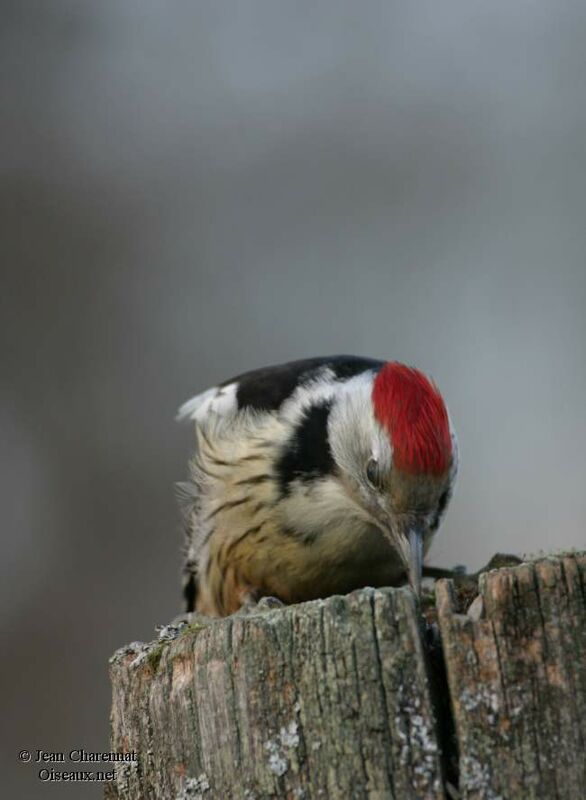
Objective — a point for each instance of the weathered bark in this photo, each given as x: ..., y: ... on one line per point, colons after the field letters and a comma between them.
x: 325, y: 699
x: 342, y: 698
x: 517, y: 680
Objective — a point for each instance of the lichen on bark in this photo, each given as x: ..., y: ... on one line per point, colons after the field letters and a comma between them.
x: 348, y: 697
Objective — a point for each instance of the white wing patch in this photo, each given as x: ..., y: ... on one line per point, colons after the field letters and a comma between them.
x: 219, y: 400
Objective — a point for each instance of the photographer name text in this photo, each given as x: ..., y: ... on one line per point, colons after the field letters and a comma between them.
x: 83, y: 757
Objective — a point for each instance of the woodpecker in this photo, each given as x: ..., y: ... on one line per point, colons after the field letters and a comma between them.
x: 312, y: 478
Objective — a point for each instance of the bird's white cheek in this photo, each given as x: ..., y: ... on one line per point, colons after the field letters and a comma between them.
x: 369, y: 501
x: 376, y: 507
x: 325, y: 503
x: 383, y: 507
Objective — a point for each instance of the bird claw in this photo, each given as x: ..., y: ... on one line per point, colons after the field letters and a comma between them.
x: 269, y: 603
x: 251, y: 605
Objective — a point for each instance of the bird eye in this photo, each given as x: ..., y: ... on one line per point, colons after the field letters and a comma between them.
x: 373, y: 474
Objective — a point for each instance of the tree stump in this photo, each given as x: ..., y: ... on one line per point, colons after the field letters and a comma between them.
x: 359, y: 697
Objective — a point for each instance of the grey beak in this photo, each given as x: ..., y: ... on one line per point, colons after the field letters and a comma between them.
x: 415, y: 539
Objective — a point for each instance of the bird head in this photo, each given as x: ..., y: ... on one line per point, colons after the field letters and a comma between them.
x: 396, y: 452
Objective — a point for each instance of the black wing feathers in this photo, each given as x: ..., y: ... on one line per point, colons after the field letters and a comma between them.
x: 266, y: 389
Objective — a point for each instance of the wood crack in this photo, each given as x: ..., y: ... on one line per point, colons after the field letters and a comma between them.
x: 348, y: 698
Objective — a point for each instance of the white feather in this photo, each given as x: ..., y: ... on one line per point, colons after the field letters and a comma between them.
x: 217, y: 400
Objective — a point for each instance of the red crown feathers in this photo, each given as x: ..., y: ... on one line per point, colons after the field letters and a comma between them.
x: 411, y: 409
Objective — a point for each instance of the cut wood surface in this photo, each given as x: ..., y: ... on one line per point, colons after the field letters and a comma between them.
x: 348, y: 698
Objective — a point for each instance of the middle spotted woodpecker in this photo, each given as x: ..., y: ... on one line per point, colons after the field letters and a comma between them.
x: 312, y: 478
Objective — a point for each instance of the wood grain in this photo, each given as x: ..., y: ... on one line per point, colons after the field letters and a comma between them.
x: 344, y: 698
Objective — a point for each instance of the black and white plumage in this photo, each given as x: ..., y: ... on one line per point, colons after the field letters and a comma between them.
x: 311, y: 478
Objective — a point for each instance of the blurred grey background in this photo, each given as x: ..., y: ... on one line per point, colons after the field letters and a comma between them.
x: 189, y: 190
